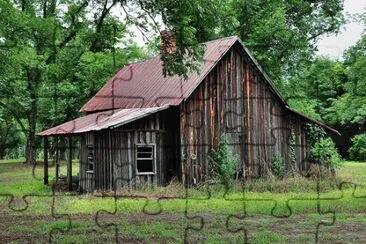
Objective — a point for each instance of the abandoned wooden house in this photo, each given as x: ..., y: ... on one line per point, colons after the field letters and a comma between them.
x: 143, y: 127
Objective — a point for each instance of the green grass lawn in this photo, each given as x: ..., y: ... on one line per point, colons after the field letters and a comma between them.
x: 277, y: 211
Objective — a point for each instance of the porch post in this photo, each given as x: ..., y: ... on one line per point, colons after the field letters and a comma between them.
x: 69, y: 166
x: 45, y: 161
x: 57, y: 165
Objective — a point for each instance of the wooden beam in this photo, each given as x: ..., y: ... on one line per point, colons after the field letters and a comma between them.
x: 57, y: 166
x: 45, y: 169
x: 142, y: 130
x: 69, y: 166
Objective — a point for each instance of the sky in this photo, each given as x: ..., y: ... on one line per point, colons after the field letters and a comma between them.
x: 334, y: 45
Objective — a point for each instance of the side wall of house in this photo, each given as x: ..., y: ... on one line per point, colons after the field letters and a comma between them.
x: 236, y: 100
x: 87, y: 152
x: 114, y: 154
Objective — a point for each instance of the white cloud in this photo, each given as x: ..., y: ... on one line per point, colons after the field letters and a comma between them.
x: 334, y: 45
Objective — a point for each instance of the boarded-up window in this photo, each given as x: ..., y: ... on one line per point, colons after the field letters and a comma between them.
x: 90, y: 167
x: 145, y: 159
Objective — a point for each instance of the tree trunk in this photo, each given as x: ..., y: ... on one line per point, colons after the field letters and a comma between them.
x: 2, y: 151
x: 30, y: 149
x: 34, y: 77
x: 62, y: 148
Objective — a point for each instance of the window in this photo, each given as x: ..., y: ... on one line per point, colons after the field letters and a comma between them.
x: 145, y: 159
x: 90, y: 167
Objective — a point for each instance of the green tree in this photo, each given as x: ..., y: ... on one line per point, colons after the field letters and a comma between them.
x: 45, y: 46
x: 317, y: 87
x: 281, y: 34
x: 358, y: 148
x: 351, y: 107
x: 10, y: 136
x: 192, y: 22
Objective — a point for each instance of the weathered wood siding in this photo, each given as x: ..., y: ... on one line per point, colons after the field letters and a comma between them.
x: 236, y: 100
x: 114, y: 153
x: 86, y: 178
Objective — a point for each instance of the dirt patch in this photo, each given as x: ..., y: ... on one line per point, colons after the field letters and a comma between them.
x: 22, y: 238
x: 24, y: 228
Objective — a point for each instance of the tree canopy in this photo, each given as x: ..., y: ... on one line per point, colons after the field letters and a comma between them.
x: 55, y: 55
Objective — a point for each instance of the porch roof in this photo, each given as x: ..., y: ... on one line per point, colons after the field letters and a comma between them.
x: 102, y: 120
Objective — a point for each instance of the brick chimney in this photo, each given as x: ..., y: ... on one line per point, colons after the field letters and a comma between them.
x: 168, y: 45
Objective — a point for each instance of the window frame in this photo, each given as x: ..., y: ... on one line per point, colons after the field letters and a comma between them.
x: 90, y: 159
x: 153, y: 146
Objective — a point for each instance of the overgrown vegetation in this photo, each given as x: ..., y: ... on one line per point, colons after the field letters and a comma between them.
x: 358, y: 148
x: 223, y: 162
x: 278, y: 165
x: 293, y: 147
x: 322, y: 148
x: 323, y: 152
x: 293, y: 151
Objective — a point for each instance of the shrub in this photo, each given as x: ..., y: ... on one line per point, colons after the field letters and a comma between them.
x: 324, y: 152
x: 223, y: 162
x: 358, y: 148
x: 322, y: 148
x: 292, y: 156
x: 277, y: 166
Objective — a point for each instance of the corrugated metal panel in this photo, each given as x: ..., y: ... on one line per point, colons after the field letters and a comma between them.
x: 142, y: 84
x: 101, y: 120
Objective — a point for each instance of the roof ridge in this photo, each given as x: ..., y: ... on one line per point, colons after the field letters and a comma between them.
x: 158, y: 56
x: 220, y: 39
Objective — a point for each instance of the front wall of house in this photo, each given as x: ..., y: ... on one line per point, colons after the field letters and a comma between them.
x: 235, y: 99
x: 113, y: 153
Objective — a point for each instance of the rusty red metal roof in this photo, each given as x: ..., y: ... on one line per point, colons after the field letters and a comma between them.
x: 141, y: 88
x: 101, y: 120
x: 142, y: 84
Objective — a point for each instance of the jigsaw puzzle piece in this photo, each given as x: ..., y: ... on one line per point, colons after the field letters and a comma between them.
x: 359, y: 192
x: 169, y: 99
x: 336, y: 205
x: 122, y: 200
x: 266, y: 216
x: 70, y: 224
x: 60, y: 212
x: 279, y: 111
x: 210, y: 226
x: 254, y: 208
x: 313, y: 207
x: 213, y: 57
x: 22, y: 216
x: 125, y: 74
x: 19, y: 200
x: 14, y: 203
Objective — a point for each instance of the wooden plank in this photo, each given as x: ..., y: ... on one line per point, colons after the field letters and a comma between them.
x: 182, y: 142
x: 205, y: 124
x: 83, y: 162
x: 158, y: 158
x: 57, y: 166
x: 141, y: 137
x: 110, y: 161
x: 130, y: 160
x: 45, y: 166
x: 69, y: 166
